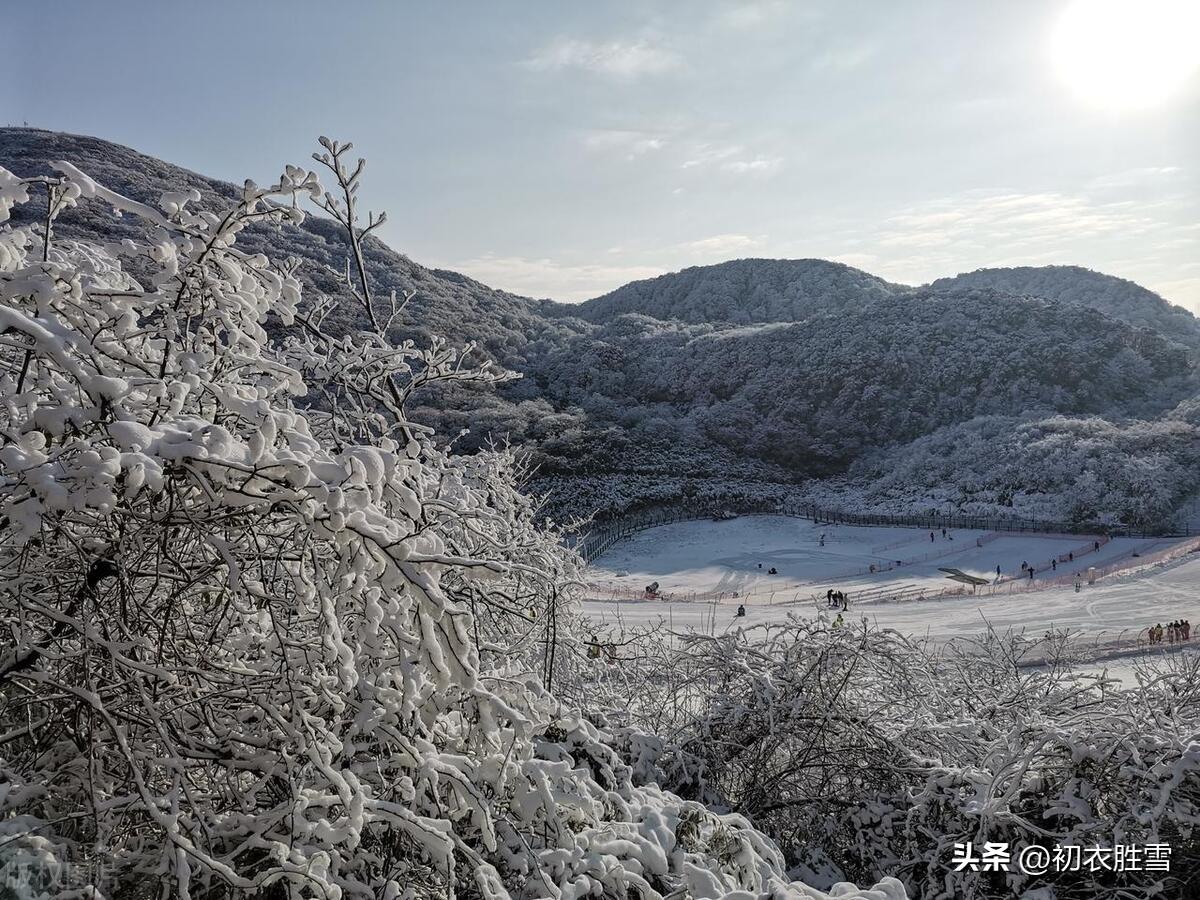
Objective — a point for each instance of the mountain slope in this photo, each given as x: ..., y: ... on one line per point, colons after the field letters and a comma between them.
x: 1117, y: 298
x: 443, y: 302
x: 752, y: 371
x: 744, y: 291
x: 814, y: 395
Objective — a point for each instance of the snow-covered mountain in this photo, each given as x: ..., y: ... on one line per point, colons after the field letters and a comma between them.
x: 759, y: 371
x: 1117, y: 298
x: 443, y: 301
x: 745, y: 291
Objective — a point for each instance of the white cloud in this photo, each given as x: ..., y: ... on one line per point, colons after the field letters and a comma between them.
x: 545, y: 277
x: 706, y: 154
x: 981, y: 220
x: 616, y: 59
x: 984, y: 228
x: 750, y: 13
x: 844, y: 58
x: 721, y: 246
x: 731, y: 158
x: 759, y: 165
x: 626, y: 144
x: 1132, y: 177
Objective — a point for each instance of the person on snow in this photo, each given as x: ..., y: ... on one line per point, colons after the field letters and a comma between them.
x: 829, y: 597
x: 845, y: 602
x: 839, y: 621
x: 1031, y: 573
x: 741, y: 610
x: 1054, y: 564
x: 772, y: 571
x: 931, y: 537
x: 997, y: 571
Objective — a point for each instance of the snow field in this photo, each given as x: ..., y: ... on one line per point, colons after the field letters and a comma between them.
x: 701, y: 564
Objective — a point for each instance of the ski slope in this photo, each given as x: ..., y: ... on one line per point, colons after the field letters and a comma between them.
x: 701, y: 564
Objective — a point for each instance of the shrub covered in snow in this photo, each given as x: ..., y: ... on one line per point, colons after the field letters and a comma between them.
x: 859, y: 751
x: 1054, y: 469
x: 260, y: 648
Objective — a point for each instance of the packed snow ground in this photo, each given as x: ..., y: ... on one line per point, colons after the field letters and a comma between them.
x: 703, y: 563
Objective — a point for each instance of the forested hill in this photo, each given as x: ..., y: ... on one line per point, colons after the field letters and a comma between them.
x: 1117, y: 298
x: 745, y: 291
x: 444, y: 302
x: 758, y: 374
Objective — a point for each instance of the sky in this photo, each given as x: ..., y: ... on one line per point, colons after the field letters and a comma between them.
x: 563, y: 149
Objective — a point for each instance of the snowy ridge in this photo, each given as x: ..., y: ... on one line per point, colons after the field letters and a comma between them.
x: 671, y: 387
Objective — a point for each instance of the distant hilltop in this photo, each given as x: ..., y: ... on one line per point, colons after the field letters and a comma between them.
x: 1045, y: 390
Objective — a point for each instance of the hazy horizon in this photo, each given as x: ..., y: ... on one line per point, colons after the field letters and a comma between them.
x: 561, y: 151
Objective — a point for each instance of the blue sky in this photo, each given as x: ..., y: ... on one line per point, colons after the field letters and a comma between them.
x: 562, y: 149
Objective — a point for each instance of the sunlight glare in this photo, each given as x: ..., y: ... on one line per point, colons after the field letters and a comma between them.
x: 1127, y: 54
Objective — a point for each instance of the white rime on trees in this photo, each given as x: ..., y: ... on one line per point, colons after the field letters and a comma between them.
x: 263, y: 638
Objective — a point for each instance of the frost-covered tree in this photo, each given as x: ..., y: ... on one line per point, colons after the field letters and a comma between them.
x: 264, y: 638
x: 861, y: 751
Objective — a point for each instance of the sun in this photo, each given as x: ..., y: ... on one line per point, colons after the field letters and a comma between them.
x: 1127, y: 54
